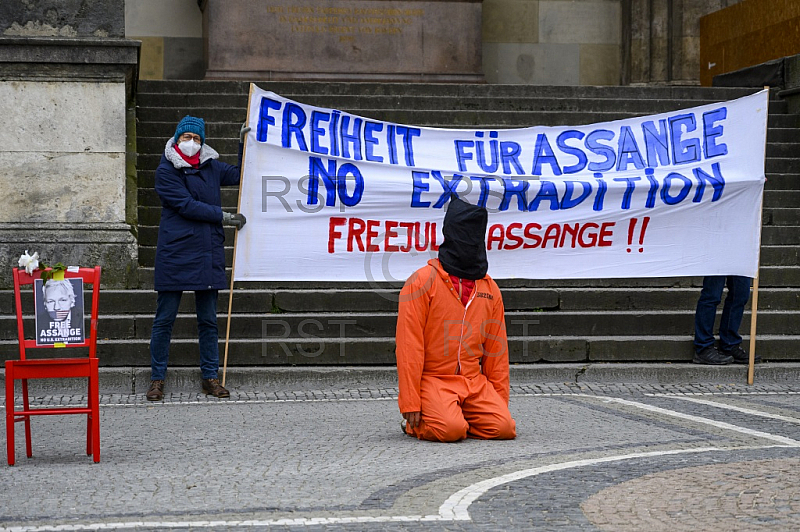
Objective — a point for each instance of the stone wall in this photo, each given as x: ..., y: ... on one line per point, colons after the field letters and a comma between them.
x: 521, y: 41
x: 62, y: 18
x: 538, y: 42
x: 66, y: 161
x: 662, y: 40
x: 360, y: 40
x: 172, y: 37
x: 552, y: 42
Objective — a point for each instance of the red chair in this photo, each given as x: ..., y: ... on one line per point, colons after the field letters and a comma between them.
x: 53, y: 368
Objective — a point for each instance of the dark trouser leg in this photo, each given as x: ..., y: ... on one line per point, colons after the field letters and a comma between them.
x: 732, y: 311
x: 207, y: 332
x: 166, y: 310
x: 706, y: 312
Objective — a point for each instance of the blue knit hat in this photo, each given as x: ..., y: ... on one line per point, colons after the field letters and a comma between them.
x: 191, y: 124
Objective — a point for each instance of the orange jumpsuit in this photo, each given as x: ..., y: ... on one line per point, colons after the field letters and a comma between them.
x: 452, y: 359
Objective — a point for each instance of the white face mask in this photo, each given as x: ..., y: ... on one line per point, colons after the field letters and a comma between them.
x: 189, y: 147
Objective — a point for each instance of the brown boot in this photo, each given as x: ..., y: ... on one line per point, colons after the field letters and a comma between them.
x: 213, y: 387
x: 156, y: 391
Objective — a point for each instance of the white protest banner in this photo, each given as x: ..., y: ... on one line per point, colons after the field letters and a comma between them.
x: 331, y: 196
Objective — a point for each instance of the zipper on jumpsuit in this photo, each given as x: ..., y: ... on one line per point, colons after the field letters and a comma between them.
x: 461, y: 336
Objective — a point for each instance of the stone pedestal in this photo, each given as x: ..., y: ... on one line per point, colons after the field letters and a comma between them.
x: 66, y: 163
x: 360, y: 40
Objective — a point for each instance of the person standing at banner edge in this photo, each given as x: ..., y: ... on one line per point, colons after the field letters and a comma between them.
x: 730, y: 348
x: 452, y: 351
x: 190, y: 253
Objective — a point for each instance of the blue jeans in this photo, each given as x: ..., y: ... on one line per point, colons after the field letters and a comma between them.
x: 732, y: 311
x: 207, y: 332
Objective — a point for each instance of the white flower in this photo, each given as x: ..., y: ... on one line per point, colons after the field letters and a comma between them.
x: 29, y: 262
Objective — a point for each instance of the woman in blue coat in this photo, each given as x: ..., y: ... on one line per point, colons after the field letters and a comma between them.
x: 190, y: 253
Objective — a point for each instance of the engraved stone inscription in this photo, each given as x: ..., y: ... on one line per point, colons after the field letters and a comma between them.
x: 354, y: 39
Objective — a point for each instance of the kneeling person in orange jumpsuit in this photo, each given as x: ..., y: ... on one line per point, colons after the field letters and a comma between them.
x: 452, y: 352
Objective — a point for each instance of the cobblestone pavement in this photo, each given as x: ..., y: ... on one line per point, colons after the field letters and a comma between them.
x: 588, y: 457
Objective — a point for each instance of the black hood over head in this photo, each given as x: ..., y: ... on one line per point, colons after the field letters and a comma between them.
x: 463, y: 252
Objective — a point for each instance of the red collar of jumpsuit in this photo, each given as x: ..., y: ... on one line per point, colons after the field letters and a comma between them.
x: 462, y: 287
x: 438, y: 334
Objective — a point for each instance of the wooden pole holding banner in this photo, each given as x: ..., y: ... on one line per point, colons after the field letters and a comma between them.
x: 753, y: 316
x: 233, y: 263
x: 754, y: 304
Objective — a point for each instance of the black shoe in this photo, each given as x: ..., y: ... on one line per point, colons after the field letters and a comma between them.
x: 711, y: 356
x: 740, y: 356
x: 156, y: 391
x: 213, y: 387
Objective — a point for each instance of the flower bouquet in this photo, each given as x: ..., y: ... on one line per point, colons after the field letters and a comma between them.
x: 32, y: 263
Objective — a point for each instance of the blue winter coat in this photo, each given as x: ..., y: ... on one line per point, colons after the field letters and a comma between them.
x: 191, y: 253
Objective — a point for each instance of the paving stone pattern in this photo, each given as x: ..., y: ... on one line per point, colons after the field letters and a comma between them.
x: 590, y: 456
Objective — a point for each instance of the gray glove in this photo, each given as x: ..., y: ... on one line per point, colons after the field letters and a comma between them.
x: 237, y: 220
x: 243, y: 133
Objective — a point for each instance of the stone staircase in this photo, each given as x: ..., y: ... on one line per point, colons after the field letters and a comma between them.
x: 598, y: 320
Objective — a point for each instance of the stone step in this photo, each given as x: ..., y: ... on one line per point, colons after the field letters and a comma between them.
x: 225, y: 123
x: 787, y: 135
x: 148, y: 107
x: 778, y: 255
x: 771, y: 235
x: 208, y: 106
x: 771, y: 276
x: 380, y: 351
x: 149, y: 161
x: 201, y: 100
x: 782, y: 216
x: 782, y: 165
x: 777, y: 235
x: 780, y: 199
x: 139, y: 301
x: 770, y: 255
x: 775, y: 181
x: 641, y: 282
x: 648, y: 299
x: 787, y: 150
x: 151, y: 88
x: 278, y: 302
x: 228, y: 147
x: 350, y: 325
x: 149, y: 196
x: 230, y: 198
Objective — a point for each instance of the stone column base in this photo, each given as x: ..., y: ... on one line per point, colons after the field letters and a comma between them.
x: 111, y: 245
